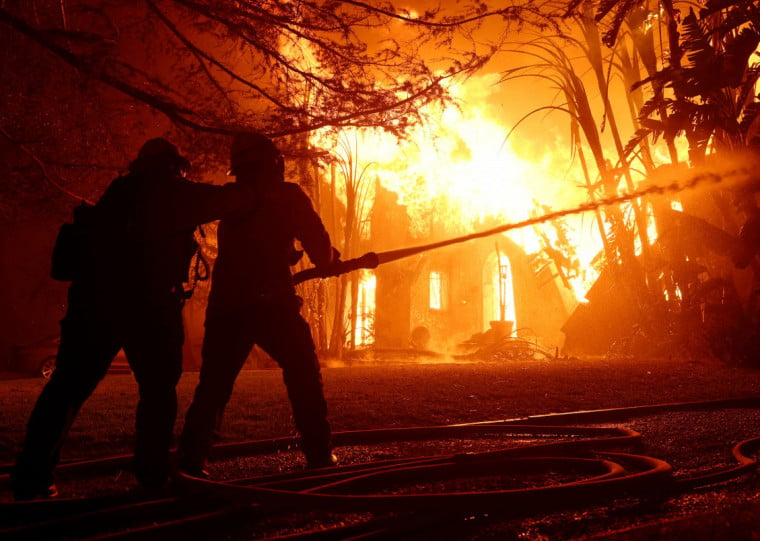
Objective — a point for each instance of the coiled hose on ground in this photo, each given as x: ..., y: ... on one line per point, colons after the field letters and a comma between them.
x: 593, y: 471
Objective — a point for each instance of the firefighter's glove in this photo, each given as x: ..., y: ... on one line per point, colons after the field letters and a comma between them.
x: 335, y: 259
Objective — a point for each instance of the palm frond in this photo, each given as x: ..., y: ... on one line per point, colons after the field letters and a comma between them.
x: 652, y: 105
x: 654, y: 126
x: 714, y: 6
x: 609, y: 37
x: 640, y: 136
x: 604, y: 7
x: 738, y: 13
x: 695, y: 44
x: 736, y: 56
x: 572, y: 8
x: 661, y: 77
x: 749, y: 126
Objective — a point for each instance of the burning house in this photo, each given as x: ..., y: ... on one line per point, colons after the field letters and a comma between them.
x: 441, y: 298
x: 680, y: 291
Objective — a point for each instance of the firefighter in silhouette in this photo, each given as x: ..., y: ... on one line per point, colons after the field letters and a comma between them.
x: 127, y: 293
x: 253, y: 302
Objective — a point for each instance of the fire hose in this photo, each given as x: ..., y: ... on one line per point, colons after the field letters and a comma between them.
x: 591, y: 453
x: 371, y: 260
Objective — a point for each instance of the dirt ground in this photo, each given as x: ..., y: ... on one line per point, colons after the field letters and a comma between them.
x: 398, y: 393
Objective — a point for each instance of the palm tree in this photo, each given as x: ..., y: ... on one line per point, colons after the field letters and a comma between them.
x: 711, y: 81
x: 551, y: 62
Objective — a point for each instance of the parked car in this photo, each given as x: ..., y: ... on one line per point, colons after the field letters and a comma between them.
x: 38, y: 358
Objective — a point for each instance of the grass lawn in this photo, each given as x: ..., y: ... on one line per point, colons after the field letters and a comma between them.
x: 394, y: 395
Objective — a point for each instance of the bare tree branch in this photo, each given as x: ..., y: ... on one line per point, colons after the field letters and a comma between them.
x: 41, y: 165
x: 292, y: 67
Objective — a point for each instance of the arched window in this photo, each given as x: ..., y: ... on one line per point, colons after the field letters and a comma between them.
x: 437, y: 291
x: 498, y: 290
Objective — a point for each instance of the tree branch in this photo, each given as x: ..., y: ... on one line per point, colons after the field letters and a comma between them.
x: 40, y: 165
x: 170, y: 109
x: 199, y: 52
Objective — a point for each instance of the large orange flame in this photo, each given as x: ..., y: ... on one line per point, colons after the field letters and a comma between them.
x: 461, y: 164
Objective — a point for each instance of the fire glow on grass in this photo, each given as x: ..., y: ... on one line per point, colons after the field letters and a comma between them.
x: 457, y: 172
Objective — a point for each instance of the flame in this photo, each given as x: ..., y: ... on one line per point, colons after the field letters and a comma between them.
x: 458, y: 171
x: 364, y: 333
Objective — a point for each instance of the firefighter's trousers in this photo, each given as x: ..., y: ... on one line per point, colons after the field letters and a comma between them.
x: 279, y: 330
x: 95, y: 328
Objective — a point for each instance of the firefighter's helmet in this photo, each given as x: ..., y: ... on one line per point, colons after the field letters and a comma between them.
x: 249, y: 148
x: 159, y: 152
